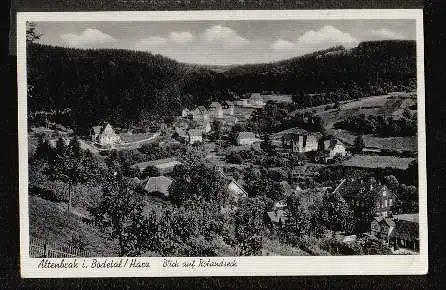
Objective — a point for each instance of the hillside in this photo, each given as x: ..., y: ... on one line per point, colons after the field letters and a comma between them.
x: 126, y: 86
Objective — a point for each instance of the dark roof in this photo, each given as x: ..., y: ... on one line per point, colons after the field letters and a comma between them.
x: 143, y: 165
x: 332, y: 144
x: 159, y: 184
x: 277, y: 216
x: 405, y: 230
x: 387, y: 220
x: 356, y: 188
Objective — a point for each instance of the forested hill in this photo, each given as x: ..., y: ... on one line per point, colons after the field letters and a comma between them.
x: 364, y: 70
x: 125, y: 86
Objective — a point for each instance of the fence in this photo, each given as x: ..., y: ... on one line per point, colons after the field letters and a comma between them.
x: 42, y: 249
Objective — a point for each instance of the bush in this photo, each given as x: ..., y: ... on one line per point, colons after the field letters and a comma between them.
x: 47, y: 194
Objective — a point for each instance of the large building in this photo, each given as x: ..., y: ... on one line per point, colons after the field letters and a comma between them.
x: 300, y: 143
x: 330, y: 149
x: 359, y: 194
x: 104, y: 135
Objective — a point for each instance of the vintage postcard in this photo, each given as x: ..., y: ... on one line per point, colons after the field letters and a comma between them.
x: 222, y: 143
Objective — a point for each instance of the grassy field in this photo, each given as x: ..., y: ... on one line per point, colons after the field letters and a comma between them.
x: 367, y: 161
x: 50, y: 221
x: 409, y: 143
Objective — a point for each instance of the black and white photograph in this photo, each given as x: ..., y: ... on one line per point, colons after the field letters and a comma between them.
x: 222, y: 137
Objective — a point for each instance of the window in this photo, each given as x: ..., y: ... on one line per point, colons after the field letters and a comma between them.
x: 357, y: 203
x: 385, y: 203
x: 384, y: 213
x: 390, y: 202
x: 384, y: 192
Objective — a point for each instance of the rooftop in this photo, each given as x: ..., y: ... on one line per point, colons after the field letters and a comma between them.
x: 246, y: 135
x: 410, y: 217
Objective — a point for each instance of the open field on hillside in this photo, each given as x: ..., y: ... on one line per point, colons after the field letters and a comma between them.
x: 50, y: 221
x: 367, y: 161
x: 409, y: 143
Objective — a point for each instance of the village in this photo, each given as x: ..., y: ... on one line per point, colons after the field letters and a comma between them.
x: 294, y: 158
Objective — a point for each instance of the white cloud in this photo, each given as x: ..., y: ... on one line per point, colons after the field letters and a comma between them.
x: 327, y: 36
x: 88, y: 38
x: 150, y: 42
x: 181, y: 37
x: 385, y: 33
x: 223, y: 36
x: 281, y: 44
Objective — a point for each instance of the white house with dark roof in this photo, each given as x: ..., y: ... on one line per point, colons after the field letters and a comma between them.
x: 104, y: 135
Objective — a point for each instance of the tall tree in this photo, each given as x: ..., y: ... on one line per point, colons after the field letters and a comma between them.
x: 71, y: 165
x: 119, y: 213
x: 358, y: 144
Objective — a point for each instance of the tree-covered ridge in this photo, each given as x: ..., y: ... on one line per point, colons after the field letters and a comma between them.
x: 370, y: 68
x: 124, y: 86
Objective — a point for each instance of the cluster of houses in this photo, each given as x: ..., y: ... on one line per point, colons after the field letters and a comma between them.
x: 160, y: 182
x: 398, y: 231
x: 322, y: 149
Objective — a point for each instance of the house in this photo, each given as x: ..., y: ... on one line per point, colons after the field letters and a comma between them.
x: 406, y: 232
x: 195, y: 135
x: 331, y: 148
x: 185, y: 113
x: 233, y: 188
x: 359, y: 193
x: 164, y: 166
x: 205, y: 127
x: 228, y: 108
x: 158, y: 185
x: 242, y: 103
x: 104, y: 135
x: 215, y: 110
x: 256, y: 100
x: 300, y: 142
x: 235, y: 191
x: 246, y: 138
x: 200, y: 114
x: 382, y: 227
x: 182, y: 135
x: 277, y: 217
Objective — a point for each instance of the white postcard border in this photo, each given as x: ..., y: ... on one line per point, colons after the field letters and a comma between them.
x: 246, y: 266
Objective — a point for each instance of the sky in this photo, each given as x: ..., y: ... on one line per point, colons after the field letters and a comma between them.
x: 224, y: 42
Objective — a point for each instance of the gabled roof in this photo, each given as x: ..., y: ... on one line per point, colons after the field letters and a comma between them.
x: 405, y: 230
x: 172, y: 161
x: 202, y: 109
x: 356, y: 188
x: 99, y: 129
x: 387, y: 220
x: 215, y: 105
x: 278, y: 216
x: 256, y: 97
x: 246, y: 135
x: 159, y: 184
